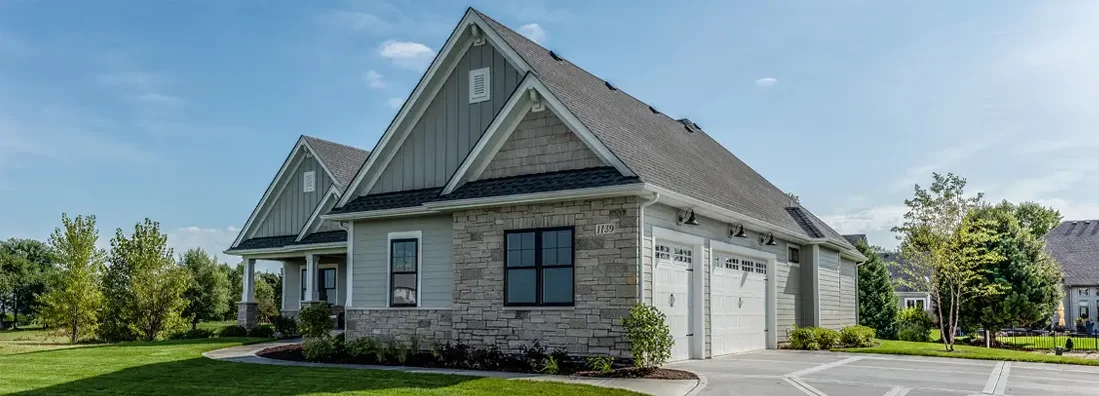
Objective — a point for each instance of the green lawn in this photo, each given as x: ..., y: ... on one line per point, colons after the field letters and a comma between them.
x: 966, y: 352
x: 29, y: 339
x: 1090, y: 343
x: 178, y: 368
x: 216, y: 326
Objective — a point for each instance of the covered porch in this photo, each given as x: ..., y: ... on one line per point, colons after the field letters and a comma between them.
x: 312, y: 276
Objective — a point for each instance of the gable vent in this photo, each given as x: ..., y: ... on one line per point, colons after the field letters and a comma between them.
x: 609, y: 86
x: 479, y: 85
x: 690, y: 126
x: 555, y: 56
x: 653, y: 109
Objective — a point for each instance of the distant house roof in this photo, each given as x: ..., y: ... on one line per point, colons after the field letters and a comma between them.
x: 1075, y: 245
x: 896, y: 265
x: 855, y: 239
x: 342, y: 160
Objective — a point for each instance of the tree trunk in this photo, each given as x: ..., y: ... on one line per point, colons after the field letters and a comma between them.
x: 15, y: 311
x: 942, y: 320
x: 194, y: 323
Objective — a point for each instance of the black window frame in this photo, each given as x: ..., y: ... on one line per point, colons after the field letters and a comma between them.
x: 539, y: 267
x: 393, y: 274
x: 792, y: 258
x: 322, y: 287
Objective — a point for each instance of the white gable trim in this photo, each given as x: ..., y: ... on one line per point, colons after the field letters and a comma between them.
x: 508, y: 119
x: 324, y: 166
x: 288, y: 167
x: 314, y: 219
x: 456, y: 46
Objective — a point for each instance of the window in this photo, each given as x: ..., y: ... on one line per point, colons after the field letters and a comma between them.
x: 328, y: 285
x: 761, y: 268
x: 303, y: 283
x: 675, y: 254
x: 724, y: 261
x: 309, y: 181
x: 795, y: 254
x: 538, y: 267
x: 403, y: 267
x: 480, y: 85
x: 1084, y: 312
x: 915, y: 303
x: 663, y: 252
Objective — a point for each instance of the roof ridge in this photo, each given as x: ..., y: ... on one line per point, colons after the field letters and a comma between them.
x: 335, y: 143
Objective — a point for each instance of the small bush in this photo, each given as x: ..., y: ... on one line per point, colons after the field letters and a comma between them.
x: 454, y: 355
x: 550, y: 366
x: 601, y: 364
x: 285, y: 326
x: 804, y: 338
x: 261, y: 332
x: 360, y: 347
x: 857, y: 336
x: 233, y: 331
x: 314, y: 321
x: 339, y: 344
x: 316, y: 349
x: 191, y: 334
x: 1068, y: 344
x: 414, y: 344
x: 826, y: 338
x: 534, y: 354
x: 914, y: 333
x: 650, y: 339
x: 914, y: 324
x: 489, y: 358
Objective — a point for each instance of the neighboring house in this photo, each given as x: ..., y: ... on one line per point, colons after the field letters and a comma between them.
x: 1075, y: 246
x: 517, y: 198
x: 907, y: 297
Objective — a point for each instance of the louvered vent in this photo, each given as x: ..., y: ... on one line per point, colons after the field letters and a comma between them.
x: 690, y: 126
x: 480, y: 85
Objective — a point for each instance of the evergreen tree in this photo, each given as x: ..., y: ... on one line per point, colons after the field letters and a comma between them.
x: 72, y: 306
x: 877, y: 298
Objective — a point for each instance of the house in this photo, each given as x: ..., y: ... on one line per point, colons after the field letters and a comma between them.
x: 907, y: 297
x: 1075, y: 246
x: 516, y: 198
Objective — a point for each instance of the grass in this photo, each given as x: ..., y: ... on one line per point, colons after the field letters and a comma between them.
x: 178, y: 368
x: 1089, y: 343
x: 30, y: 339
x: 966, y: 352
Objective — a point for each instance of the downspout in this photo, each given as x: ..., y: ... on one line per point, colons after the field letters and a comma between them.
x: 641, y: 247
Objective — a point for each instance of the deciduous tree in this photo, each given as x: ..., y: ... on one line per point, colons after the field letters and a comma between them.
x: 73, y: 305
x: 207, y: 293
x: 26, y: 264
x: 156, y: 282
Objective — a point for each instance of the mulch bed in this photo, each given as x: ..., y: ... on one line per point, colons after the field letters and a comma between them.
x: 294, y: 353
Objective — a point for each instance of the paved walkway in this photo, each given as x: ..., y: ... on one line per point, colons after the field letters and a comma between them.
x: 247, y: 354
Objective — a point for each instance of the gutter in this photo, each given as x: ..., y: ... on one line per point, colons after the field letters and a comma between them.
x: 285, y: 249
x: 641, y: 247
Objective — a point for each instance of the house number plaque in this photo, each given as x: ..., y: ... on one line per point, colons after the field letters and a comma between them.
x: 601, y: 229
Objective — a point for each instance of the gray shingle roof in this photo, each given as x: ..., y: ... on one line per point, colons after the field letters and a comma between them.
x: 896, y: 265
x: 854, y: 239
x: 523, y: 184
x: 1075, y: 245
x: 288, y: 240
x: 343, y: 160
x: 658, y: 148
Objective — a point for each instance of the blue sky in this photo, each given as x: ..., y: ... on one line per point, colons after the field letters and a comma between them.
x: 183, y: 111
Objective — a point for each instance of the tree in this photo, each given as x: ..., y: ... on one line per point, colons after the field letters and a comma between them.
x: 877, y: 299
x: 236, y: 288
x: 27, y: 265
x: 72, y: 306
x: 155, y: 281
x: 207, y: 293
x: 942, y: 257
x: 268, y: 294
x: 1026, y: 277
x: 1035, y: 218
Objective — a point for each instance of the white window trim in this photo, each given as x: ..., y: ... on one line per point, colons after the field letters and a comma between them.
x: 309, y: 181
x: 771, y: 297
x: 488, y: 85
x: 418, y: 236
x: 796, y: 246
x: 926, y: 302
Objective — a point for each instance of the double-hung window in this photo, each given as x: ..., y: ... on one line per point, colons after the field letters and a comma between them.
x: 538, y: 267
x: 404, y: 266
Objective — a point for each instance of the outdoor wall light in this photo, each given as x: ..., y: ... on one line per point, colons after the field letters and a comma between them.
x: 737, y: 230
x: 687, y: 217
x: 768, y: 239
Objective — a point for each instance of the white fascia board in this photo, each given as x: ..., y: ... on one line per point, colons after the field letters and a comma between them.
x: 321, y: 161
x: 518, y: 199
x: 425, y: 91
x: 376, y: 214
x: 313, y: 223
x: 314, y: 248
x: 246, y: 230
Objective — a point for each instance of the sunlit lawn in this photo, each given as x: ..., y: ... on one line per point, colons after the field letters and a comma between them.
x: 966, y: 352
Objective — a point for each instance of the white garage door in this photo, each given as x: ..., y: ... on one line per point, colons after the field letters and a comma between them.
x: 671, y: 293
x: 738, y: 287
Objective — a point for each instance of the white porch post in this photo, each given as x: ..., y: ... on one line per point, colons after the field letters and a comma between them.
x: 249, y: 281
x: 247, y: 310
x: 310, y: 277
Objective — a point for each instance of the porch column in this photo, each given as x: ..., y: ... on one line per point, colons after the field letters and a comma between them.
x: 310, y: 277
x: 247, y: 310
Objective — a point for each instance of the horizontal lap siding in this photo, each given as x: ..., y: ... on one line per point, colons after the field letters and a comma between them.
x: 831, y: 315
x: 371, y: 270
x: 849, y: 294
x: 788, y: 281
x: 292, y: 208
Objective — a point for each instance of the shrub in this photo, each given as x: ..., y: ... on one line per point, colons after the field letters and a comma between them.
x: 1068, y: 344
x: 914, y: 333
x: 804, y: 338
x: 261, y: 332
x: 533, y: 355
x: 857, y: 336
x: 285, y: 326
x: 191, y: 334
x: 314, y: 321
x: 826, y: 338
x: 601, y: 364
x: 651, y: 341
x: 233, y: 331
x: 360, y: 347
x: 486, y: 358
x: 550, y: 366
x: 317, y: 348
x: 914, y: 324
x: 414, y: 344
x: 339, y: 344
x: 454, y: 355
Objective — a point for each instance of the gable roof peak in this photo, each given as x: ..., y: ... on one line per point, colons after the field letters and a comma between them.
x: 341, y: 160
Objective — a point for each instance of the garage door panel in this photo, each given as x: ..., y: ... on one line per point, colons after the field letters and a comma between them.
x: 671, y: 294
x: 738, y: 320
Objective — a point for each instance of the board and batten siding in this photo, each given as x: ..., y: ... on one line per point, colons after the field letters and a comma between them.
x: 831, y: 305
x: 371, y: 270
x: 849, y: 292
x: 787, y: 295
x: 293, y: 206
x: 450, y: 126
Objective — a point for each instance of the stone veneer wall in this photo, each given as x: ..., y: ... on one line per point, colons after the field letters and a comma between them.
x: 540, y: 143
x: 429, y: 325
x: 605, y: 272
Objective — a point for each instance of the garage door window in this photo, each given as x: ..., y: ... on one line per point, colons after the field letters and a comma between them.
x: 753, y: 266
x: 726, y: 262
x: 539, y: 267
x: 674, y: 254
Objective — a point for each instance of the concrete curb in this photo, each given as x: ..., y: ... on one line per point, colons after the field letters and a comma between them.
x: 248, y: 354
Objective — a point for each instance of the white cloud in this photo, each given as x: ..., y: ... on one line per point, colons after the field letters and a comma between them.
x: 354, y: 21
x: 407, y: 54
x: 374, y: 79
x: 766, y: 82
x: 142, y: 87
x: 534, y: 32
x: 213, y: 240
x: 158, y: 99
x: 879, y: 218
x: 395, y: 102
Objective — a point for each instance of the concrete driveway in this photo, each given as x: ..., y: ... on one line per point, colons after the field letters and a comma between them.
x: 793, y: 373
